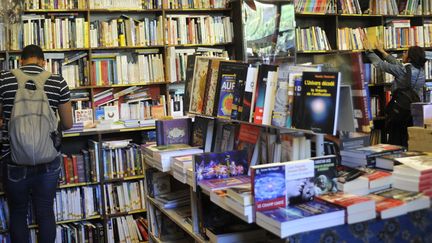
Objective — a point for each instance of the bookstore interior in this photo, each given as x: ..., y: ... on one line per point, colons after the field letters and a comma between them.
x: 231, y: 120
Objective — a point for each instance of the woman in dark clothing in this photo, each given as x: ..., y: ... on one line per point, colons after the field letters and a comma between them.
x: 412, y: 69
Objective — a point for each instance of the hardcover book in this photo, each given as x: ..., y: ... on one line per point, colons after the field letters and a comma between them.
x: 318, y: 102
x: 281, y: 184
x: 176, y: 131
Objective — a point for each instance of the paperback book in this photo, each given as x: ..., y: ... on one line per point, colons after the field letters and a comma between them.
x: 281, y: 184
x: 317, y: 106
x: 175, y: 131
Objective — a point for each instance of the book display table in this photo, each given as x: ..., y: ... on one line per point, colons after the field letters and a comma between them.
x: 412, y: 227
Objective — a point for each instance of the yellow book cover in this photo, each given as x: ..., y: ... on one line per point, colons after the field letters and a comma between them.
x: 374, y: 34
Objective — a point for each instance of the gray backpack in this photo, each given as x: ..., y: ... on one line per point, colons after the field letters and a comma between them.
x: 32, y: 122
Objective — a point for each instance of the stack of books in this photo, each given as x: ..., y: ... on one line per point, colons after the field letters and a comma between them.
x: 351, y: 181
x: 388, y: 162
x: 180, y: 166
x: 357, y: 208
x: 378, y: 180
x: 160, y: 156
x: 240, y: 200
x: 174, y: 199
x: 298, y: 218
x: 366, y: 156
x: 414, y: 201
x: 414, y: 174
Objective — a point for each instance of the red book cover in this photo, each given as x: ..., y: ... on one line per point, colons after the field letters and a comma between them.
x: 103, y: 100
x: 70, y: 170
x: 248, y: 137
x: 383, y: 203
x: 342, y: 199
x: 66, y: 168
x: 377, y: 175
x: 93, y: 74
x: 142, y: 230
x: 104, y: 72
x: 74, y: 179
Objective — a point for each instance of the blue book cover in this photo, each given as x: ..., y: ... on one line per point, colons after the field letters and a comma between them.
x: 175, y: 131
x: 221, y: 165
x: 226, y: 96
x: 282, y: 184
x: 300, y: 211
x: 269, y: 187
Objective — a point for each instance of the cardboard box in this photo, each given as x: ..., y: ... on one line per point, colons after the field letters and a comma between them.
x: 419, y: 139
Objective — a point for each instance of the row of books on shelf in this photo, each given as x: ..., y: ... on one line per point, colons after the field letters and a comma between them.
x: 81, y: 167
x: 70, y: 31
x: 127, y: 229
x: 129, y: 4
x: 313, y: 38
x: 124, y: 197
x: 421, y: 114
x: 199, y: 29
x: 177, y: 60
x: 59, y: 32
x: 55, y: 4
x: 79, y: 232
x: 126, y: 31
x: 112, y: 69
x: 77, y: 203
x: 375, y: 7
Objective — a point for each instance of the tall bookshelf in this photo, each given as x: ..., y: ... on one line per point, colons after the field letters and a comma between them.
x: 74, y: 142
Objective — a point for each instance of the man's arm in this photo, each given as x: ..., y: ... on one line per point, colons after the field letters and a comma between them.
x: 65, y: 113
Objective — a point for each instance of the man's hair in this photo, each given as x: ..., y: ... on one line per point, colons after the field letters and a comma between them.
x: 32, y: 51
x: 417, y: 56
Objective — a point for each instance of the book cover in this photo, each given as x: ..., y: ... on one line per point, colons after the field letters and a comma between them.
x: 344, y: 200
x: 299, y: 211
x: 239, y: 89
x: 84, y: 116
x: 199, y: 83
x: 350, y: 66
x: 247, y: 140
x: 418, y: 163
x: 320, y: 101
x: 399, y: 194
x: 188, y: 81
x: 111, y: 113
x: 281, y: 184
x: 226, y: 96
x: 200, y: 130
x: 228, y: 71
x: 212, y: 82
x: 220, y: 165
x: 176, y: 131
x: 281, y: 107
x: 383, y: 203
x: 325, y: 174
x: 251, y: 79
x: 260, y: 90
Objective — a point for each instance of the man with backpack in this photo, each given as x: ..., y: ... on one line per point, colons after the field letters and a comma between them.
x: 407, y: 88
x: 30, y: 97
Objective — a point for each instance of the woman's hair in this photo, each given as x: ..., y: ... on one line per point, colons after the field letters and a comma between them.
x: 417, y: 56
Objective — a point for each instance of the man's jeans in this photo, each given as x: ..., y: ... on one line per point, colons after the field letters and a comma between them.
x: 39, y: 182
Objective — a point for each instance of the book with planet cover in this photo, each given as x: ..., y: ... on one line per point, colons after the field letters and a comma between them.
x: 316, y: 108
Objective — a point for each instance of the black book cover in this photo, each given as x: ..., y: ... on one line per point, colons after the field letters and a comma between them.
x: 239, y: 89
x: 188, y: 82
x: 316, y: 108
x: 228, y: 68
x: 199, y: 132
x: 325, y: 174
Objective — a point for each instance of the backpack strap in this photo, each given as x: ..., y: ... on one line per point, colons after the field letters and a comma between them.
x: 39, y: 80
